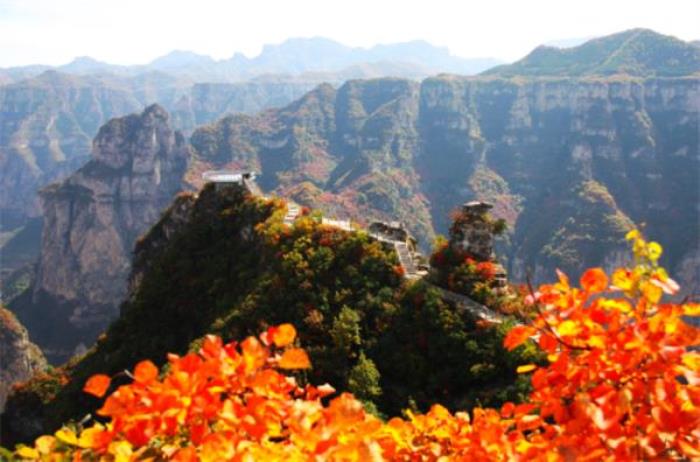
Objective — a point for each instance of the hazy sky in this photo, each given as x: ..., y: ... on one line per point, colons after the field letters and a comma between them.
x: 136, y: 31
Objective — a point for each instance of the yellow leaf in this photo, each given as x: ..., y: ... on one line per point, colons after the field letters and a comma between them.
x: 45, y: 444
x: 655, y: 250
x: 523, y: 446
x: 652, y: 292
x: 623, y: 279
x: 67, y: 436
x: 26, y: 452
x: 121, y: 450
x: 596, y: 341
x: 525, y: 368
x: 568, y: 327
x: 634, y: 234
x: 692, y: 360
x: 616, y: 304
x: 88, y: 437
x: 294, y: 358
x: 691, y: 309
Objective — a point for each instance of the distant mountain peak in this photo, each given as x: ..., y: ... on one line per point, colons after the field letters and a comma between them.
x: 83, y: 60
x: 635, y: 52
x: 84, y: 64
x: 181, y: 58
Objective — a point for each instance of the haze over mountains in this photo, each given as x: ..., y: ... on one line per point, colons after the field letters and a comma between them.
x: 51, y: 114
x: 416, y: 59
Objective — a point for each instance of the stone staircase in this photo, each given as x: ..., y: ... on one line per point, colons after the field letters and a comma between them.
x: 405, y: 258
x: 293, y: 211
x: 342, y: 224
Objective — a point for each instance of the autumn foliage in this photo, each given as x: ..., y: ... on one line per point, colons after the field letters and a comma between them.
x: 621, y: 383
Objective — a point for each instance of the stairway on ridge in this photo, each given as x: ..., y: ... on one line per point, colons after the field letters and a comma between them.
x: 405, y: 258
x: 293, y: 211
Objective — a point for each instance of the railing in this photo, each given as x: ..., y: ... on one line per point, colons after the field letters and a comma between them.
x: 474, y: 307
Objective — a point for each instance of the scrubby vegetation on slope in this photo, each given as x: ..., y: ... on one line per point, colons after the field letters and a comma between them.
x: 621, y: 383
x: 231, y: 267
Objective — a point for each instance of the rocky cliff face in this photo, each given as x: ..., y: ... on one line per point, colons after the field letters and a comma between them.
x: 570, y: 163
x: 207, y: 102
x: 92, y: 220
x: 349, y: 151
x: 47, y: 123
x: 19, y: 358
x: 46, y: 127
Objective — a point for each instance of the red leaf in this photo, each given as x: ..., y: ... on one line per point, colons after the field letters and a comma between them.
x: 517, y: 335
x: 145, y: 372
x: 594, y: 280
x: 97, y: 385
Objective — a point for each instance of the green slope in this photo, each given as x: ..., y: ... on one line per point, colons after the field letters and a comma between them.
x: 636, y: 52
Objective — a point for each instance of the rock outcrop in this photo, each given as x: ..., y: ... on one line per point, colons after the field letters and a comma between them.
x: 19, y: 358
x: 92, y: 220
x: 47, y: 122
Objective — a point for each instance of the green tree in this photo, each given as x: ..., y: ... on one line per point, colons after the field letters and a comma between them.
x: 345, y: 331
x: 363, y: 379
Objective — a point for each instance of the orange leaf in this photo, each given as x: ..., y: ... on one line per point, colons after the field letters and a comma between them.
x: 145, y: 372
x: 517, y: 335
x: 97, y: 385
x: 295, y: 358
x: 283, y: 335
x: 594, y: 280
x: 187, y: 454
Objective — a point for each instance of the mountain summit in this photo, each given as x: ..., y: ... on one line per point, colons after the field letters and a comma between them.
x: 636, y: 52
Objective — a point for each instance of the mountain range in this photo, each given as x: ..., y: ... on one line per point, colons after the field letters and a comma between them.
x: 570, y: 161
x: 295, y: 57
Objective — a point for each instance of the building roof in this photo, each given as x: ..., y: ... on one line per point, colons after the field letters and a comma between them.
x: 477, y: 205
x: 225, y: 176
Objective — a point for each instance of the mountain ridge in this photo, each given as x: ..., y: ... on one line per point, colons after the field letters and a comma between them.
x: 636, y: 52
x: 293, y: 56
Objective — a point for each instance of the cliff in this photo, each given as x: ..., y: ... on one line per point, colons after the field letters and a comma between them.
x: 207, y: 102
x: 92, y: 220
x: 48, y: 121
x: 46, y: 129
x: 570, y: 163
x: 19, y: 358
x: 349, y: 151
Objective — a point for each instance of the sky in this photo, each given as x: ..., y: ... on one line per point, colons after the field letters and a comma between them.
x: 137, y: 31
